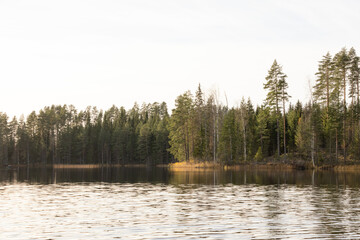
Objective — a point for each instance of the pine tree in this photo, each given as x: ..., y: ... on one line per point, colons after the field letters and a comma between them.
x: 284, y: 98
x: 277, y: 92
x: 354, y: 93
x: 354, y: 75
x: 243, y: 118
x: 326, y: 93
x: 324, y: 81
x: 342, y: 64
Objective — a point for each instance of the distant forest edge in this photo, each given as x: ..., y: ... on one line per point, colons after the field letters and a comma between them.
x: 325, y: 130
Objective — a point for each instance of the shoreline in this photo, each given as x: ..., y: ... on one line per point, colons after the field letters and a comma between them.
x: 190, y: 166
x: 270, y: 165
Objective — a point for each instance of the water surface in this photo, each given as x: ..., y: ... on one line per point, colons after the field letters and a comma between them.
x: 154, y: 203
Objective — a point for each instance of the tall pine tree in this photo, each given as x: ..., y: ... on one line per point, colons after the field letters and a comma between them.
x: 277, y: 92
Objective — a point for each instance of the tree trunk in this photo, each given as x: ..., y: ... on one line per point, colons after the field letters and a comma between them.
x: 27, y: 154
x: 231, y: 149
x: 214, y: 141
x: 330, y: 150
x: 284, y: 126
x: 278, y: 138
x: 336, y: 145
x: 327, y: 90
x: 312, y: 146
x: 244, y: 135
x: 344, y: 137
x: 102, y: 155
x: 277, y: 125
x: 6, y: 154
x: 344, y: 122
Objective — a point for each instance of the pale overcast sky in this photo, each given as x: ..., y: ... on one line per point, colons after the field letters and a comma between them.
x: 117, y: 52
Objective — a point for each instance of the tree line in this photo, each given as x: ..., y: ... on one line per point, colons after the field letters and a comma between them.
x: 326, y: 129
x: 62, y: 134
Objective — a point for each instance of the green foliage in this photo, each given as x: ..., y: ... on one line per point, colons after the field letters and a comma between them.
x: 277, y: 87
x: 180, y: 127
x: 303, y: 136
x: 325, y: 82
x: 293, y: 116
x: 229, y: 138
x: 258, y: 156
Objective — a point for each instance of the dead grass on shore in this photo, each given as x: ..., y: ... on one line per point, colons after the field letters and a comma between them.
x: 350, y: 168
x: 194, y: 165
x: 191, y: 165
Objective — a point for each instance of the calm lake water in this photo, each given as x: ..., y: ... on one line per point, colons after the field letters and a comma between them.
x: 154, y: 203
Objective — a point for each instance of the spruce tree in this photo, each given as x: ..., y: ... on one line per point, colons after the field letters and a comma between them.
x: 179, y: 127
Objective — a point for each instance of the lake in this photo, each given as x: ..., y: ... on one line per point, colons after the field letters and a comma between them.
x: 156, y: 203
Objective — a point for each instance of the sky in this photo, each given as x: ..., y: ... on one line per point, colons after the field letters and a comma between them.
x: 100, y: 53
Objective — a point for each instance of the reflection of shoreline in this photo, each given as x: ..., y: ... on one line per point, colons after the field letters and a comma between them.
x: 244, y: 174
x: 79, y: 166
x: 181, y: 166
x: 60, y: 166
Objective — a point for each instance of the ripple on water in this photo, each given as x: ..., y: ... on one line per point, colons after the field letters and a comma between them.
x: 160, y: 211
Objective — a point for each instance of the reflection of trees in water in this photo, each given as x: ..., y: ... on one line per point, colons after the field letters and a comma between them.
x: 352, y: 205
x: 328, y: 210
x: 334, y: 206
x: 168, y: 176
x: 273, y: 211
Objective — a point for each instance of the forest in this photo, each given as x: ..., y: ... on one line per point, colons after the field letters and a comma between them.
x: 324, y: 130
